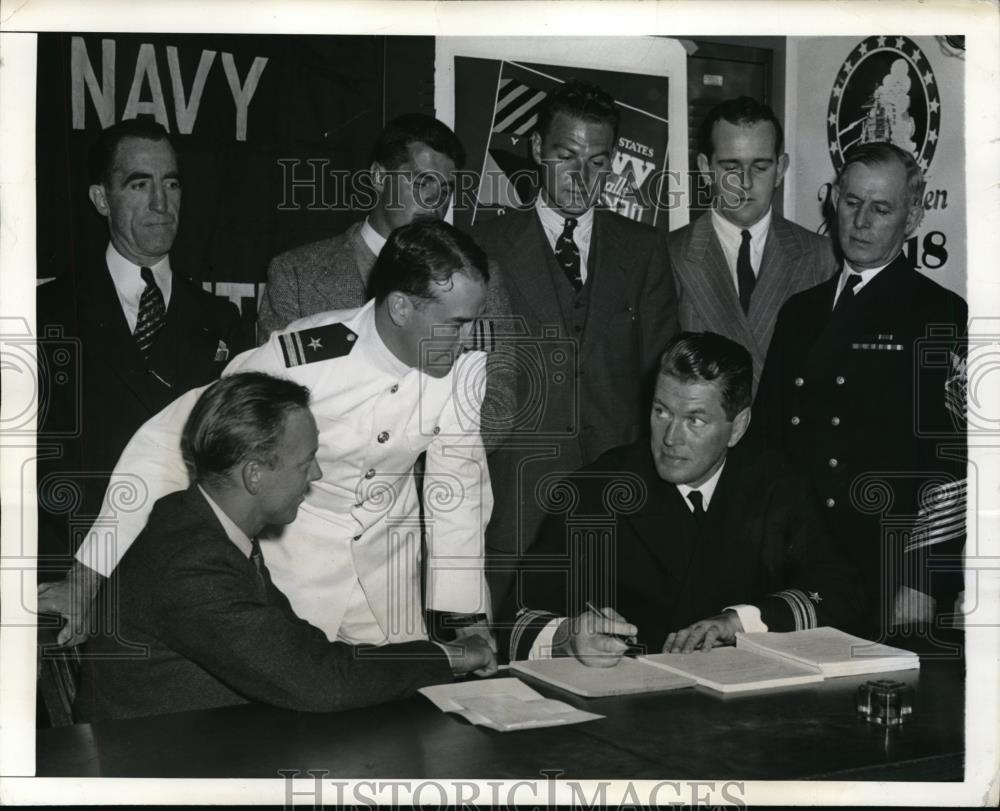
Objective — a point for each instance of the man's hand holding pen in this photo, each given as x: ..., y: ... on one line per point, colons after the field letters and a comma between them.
x: 597, y: 637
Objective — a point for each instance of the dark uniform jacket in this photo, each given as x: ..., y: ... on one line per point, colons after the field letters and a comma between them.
x: 858, y: 398
x: 620, y: 536
x: 196, y: 626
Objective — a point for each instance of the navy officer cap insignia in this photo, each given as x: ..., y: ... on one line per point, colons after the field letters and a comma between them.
x: 315, y: 344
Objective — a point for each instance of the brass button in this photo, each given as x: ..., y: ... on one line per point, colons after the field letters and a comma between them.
x: 370, y: 473
x: 833, y: 463
x: 841, y: 380
x: 437, y: 429
x: 795, y: 420
x: 835, y: 421
x: 383, y: 437
x: 831, y: 503
x: 799, y: 381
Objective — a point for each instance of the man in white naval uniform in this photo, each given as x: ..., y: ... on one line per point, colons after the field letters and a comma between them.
x: 388, y: 382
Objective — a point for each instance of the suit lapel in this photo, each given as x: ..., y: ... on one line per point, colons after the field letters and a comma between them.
x: 706, y: 274
x: 781, y: 256
x: 665, y: 525
x: 606, y: 276
x: 528, y: 268
x: 874, y: 300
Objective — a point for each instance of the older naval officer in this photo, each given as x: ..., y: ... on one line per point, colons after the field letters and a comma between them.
x: 389, y: 381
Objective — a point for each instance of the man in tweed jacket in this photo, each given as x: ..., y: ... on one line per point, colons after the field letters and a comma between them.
x: 413, y: 165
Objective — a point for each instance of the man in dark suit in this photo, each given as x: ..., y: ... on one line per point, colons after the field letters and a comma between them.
x: 681, y: 526
x: 854, y: 386
x: 736, y: 266
x: 593, y: 301
x: 144, y: 333
x: 196, y: 621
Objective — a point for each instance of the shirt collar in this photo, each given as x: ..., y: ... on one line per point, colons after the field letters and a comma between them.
x: 734, y: 233
x: 125, y: 274
x: 553, y: 220
x: 866, y: 275
x: 233, y: 532
x: 707, y: 490
x: 373, y: 239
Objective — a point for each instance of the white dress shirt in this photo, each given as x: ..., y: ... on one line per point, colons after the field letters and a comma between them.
x: 553, y: 223
x: 129, y: 284
x: 731, y: 237
x: 233, y: 532
x: 373, y: 239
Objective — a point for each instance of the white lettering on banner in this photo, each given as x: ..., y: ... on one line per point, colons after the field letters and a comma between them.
x: 82, y: 72
x: 145, y: 68
x: 242, y: 95
x: 186, y: 111
x: 84, y: 81
x: 640, y: 168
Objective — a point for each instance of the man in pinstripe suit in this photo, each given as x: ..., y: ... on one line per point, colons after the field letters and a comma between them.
x: 736, y: 266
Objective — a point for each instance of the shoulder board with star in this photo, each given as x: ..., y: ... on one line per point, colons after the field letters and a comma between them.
x: 317, y: 343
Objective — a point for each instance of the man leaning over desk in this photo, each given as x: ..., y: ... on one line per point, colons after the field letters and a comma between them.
x: 389, y: 381
x: 198, y: 621
x: 682, y: 538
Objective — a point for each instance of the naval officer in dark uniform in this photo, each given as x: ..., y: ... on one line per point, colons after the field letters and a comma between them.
x: 854, y: 386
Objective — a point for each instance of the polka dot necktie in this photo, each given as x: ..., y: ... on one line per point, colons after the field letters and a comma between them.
x: 568, y: 254
x: 152, y: 313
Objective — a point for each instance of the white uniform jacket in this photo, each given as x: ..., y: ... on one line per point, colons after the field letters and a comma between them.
x: 350, y: 562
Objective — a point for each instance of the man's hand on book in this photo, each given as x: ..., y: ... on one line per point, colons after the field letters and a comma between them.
x: 705, y: 634
x: 594, y: 640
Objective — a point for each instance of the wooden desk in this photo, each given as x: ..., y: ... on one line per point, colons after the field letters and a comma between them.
x: 809, y: 732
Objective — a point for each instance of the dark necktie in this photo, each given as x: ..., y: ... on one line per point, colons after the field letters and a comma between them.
x: 568, y: 254
x: 257, y: 559
x: 847, y: 294
x: 699, y: 510
x: 152, y: 313
x: 744, y: 273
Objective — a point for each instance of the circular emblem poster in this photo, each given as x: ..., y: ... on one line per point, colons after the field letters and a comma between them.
x: 885, y: 91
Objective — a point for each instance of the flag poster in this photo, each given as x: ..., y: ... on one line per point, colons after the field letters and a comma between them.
x: 496, y: 110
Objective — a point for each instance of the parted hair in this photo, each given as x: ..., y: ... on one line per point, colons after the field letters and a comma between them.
x: 391, y: 146
x: 578, y: 99
x: 102, y: 153
x: 740, y: 111
x: 237, y: 419
x: 708, y: 357
x: 422, y: 255
x: 880, y: 153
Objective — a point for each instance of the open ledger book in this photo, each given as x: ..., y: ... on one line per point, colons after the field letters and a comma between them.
x: 758, y: 662
x: 765, y: 660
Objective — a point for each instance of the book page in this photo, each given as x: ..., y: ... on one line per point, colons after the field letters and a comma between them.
x: 728, y: 669
x: 826, y: 646
x: 629, y: 676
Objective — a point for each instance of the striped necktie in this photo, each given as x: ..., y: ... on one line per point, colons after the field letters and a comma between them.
x: 152, y: 314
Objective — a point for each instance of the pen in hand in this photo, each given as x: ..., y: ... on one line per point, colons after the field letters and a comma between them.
x: 628, y: 640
